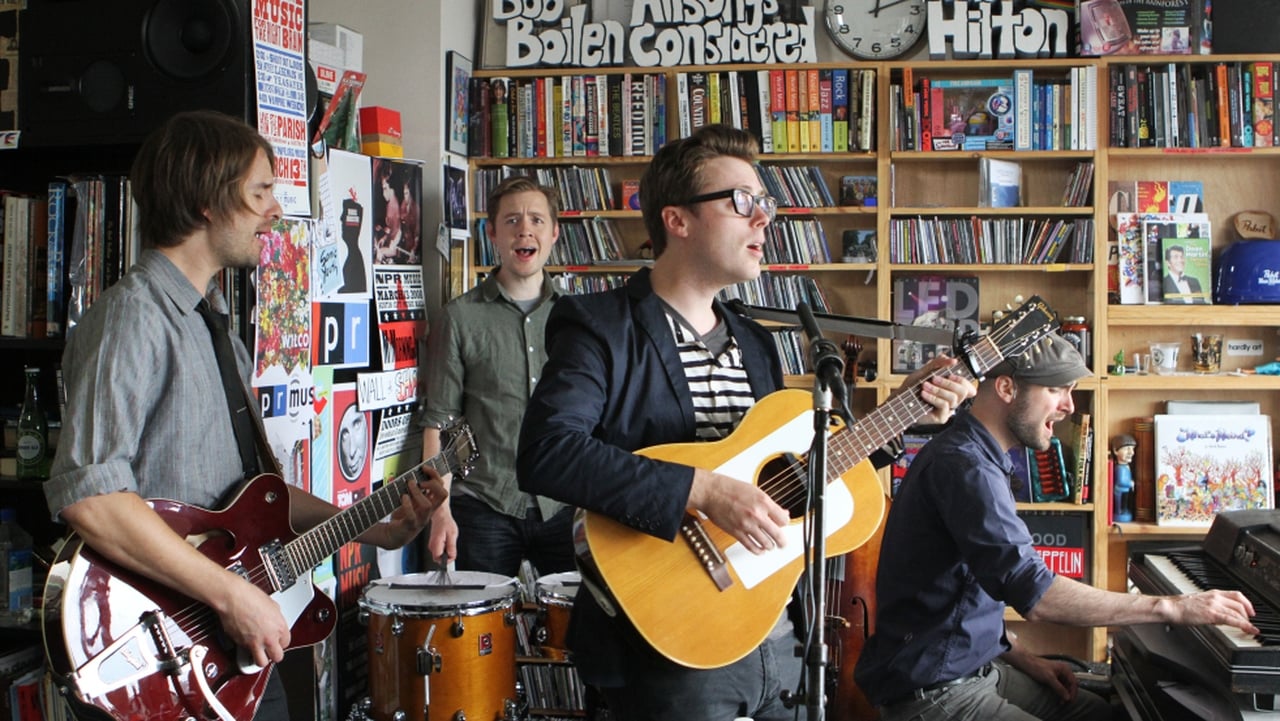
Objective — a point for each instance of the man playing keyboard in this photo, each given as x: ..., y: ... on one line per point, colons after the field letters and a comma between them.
x: 955, y: 553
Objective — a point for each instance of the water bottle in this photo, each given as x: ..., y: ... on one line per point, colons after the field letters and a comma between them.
x: 33, y: 432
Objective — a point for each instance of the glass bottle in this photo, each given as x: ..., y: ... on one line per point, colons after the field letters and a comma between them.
x: 33, y: 432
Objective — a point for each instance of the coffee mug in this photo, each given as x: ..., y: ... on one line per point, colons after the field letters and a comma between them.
x: 1164, y: 357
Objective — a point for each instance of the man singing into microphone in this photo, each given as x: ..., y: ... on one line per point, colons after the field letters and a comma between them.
x: 662, y: 360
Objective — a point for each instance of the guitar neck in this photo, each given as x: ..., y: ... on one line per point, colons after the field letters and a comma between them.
x: 309, y: 549
x: 852, y: 444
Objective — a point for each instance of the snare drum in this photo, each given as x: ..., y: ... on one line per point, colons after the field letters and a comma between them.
x: 555, y: 603
x: 439, y: 652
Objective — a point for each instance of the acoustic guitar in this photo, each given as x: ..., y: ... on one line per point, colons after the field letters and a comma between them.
x: 704, y: 601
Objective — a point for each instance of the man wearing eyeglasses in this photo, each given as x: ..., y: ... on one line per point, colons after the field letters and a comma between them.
x: 664, y: 361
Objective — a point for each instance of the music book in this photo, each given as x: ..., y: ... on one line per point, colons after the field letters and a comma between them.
x: 1206, y: 464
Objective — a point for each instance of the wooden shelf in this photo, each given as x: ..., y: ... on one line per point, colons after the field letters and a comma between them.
x: 1194, y: 315
x: 944, y: 183
x: 1150, y: 529
x: 1018, y: 212
x: 1187, y: 381
x: 994, y: 267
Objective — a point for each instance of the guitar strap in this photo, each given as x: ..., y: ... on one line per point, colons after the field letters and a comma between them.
x: 267, y: 460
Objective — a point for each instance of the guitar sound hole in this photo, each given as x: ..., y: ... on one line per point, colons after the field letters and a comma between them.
x: 784, y: 478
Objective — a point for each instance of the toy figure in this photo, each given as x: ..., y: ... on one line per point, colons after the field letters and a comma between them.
x: 1122, y: 484
x: 956, y: 123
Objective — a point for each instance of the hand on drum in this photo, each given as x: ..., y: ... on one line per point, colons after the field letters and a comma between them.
x: 442, y: 543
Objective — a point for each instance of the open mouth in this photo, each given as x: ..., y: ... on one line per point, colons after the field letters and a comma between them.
x: 525, y: 253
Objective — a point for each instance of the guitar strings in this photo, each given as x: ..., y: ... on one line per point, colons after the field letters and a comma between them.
x: 193, y: 621
x: 789, y: 484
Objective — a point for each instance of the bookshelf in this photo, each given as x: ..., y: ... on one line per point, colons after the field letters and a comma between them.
x: 923, y: 186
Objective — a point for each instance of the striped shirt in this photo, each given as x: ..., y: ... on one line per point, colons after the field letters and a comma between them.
x: 717, y: 379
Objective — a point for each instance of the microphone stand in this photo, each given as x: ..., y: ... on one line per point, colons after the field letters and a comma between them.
x: 828, y: 370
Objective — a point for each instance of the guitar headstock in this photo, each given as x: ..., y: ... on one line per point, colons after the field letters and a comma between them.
x: 1015, y: 333
x: 458, y: 447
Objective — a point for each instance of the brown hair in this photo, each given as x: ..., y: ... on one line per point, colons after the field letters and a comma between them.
x: 194, y: 163
x: 675, y: 174
x: 523, y: 184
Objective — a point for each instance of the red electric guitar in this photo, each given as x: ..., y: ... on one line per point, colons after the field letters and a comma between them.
x: 121, y: 646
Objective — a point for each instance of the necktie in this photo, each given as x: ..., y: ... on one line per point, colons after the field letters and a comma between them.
x: 237, y: 402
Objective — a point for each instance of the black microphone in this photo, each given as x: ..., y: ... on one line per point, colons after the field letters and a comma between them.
x: 828, y: 364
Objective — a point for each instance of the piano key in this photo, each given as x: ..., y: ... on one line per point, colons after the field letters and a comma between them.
x: 1186, y: 584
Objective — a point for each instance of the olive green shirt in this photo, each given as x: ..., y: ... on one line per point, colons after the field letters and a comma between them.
x: 484, y: 356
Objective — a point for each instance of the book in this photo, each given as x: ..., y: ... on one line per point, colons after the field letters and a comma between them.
x: 1076, y: 434
x: 1022, y: 93
x: 999, y: 183
x: 973, y: 114
x: 1207, y: 464
x: 1263, y: 104
x: 1131, y: 274
x: 840, y: 110
x: 500, y: 117
x: 858, y: 190
x: 1188, y: 263
x: 1156, y: 227
x: 858, y: 245
x: 55, y: 308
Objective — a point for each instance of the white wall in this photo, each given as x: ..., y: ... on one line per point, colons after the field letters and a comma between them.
x: 405, y: 42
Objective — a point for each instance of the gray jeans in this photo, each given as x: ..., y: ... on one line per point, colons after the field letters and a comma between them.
x: 1004, y: 694
x: 750, y: 687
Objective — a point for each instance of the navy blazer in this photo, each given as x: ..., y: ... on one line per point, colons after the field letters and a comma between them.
x: 613, y: 384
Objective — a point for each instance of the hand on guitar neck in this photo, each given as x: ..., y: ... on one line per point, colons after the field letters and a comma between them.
x: 941, y: 389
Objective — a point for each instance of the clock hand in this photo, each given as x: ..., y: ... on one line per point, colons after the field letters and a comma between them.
x: 876, y: 10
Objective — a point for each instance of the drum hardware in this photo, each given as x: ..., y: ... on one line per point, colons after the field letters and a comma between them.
x: 458, y: 628
x: 429, y: 659
x: 397, y: 626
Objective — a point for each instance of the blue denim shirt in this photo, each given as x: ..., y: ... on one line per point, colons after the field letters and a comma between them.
x: 954, y: 554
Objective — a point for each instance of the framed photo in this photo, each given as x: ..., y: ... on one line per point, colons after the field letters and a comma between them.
x: 458, y: 70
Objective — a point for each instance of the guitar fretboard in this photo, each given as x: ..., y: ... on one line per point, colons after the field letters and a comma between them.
x: 851, y: 444
x: 309, y: 549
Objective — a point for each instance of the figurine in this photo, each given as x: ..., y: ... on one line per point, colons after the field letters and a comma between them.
x: 1122, y: 473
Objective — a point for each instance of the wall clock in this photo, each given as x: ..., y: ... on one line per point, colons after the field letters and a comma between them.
x: 875, y: 29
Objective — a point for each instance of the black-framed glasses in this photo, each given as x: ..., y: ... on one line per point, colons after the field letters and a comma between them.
x: 744, y: 203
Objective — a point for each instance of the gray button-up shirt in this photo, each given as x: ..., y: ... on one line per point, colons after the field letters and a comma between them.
x: 484, y: 357
x: 145, y: 407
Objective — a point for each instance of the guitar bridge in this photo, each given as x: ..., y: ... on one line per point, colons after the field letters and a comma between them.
x: 276, y: 561
x: 709, y: 556
x: 142, y: 651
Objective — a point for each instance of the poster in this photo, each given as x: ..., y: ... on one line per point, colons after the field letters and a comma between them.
x: 280, y: 75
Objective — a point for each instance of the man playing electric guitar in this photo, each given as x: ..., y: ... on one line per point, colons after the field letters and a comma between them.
x: 663, y: 361
x: 147, y: 415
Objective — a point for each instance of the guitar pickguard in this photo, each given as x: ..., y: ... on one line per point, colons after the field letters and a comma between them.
x: 794, y: 436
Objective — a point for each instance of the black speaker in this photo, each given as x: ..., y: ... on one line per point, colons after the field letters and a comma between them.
x: 1245, y: 26
x: 93, y: 72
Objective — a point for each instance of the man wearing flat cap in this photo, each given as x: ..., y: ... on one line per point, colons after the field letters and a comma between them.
x: 955, y: 554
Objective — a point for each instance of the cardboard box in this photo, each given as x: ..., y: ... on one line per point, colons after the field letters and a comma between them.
x: 380, y: 133
x: 331, y: 49
x: 1143, y: 27
x: 377, y: 120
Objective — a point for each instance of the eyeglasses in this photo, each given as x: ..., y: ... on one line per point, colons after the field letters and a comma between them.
x: 744, y: 203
